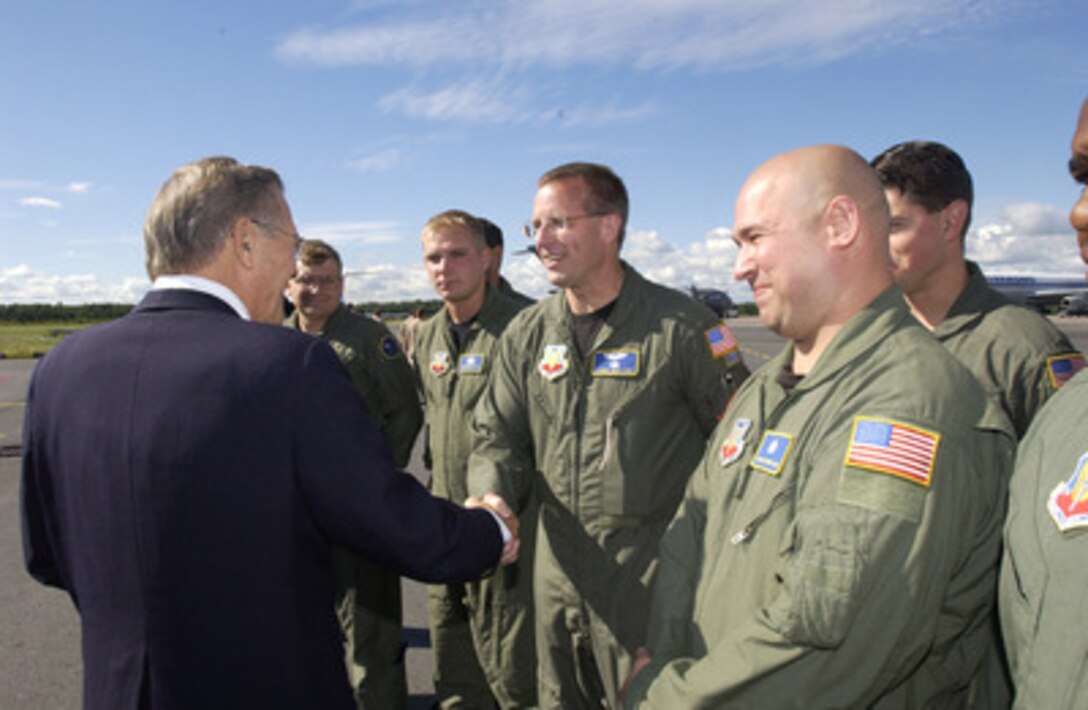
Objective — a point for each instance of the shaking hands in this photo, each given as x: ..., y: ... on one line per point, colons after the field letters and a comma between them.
x: 502, y: 511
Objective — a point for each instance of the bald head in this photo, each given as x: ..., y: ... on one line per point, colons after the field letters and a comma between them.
x: 808, y: 179
x: 812, y: 227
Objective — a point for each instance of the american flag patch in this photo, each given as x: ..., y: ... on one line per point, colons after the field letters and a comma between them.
x: 894, y: 448
x: 1061, y: 368
x: 721, y: 341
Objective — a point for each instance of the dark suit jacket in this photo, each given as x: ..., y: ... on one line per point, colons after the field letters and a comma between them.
x: 184, y: 475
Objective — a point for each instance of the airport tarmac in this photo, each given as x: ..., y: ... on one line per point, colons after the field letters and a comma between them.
x: 40, y: 664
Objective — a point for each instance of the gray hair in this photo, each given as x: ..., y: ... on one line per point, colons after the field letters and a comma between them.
x: 195, y: 209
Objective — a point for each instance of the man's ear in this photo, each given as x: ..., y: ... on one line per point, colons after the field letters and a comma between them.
x: 953, y: 218
x: 612, y: 224
x: 842, y: 220
x: 243, y: 235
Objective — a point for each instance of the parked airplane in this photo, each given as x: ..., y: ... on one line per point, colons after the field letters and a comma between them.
x: 715, y: 300
x: 1037, y: 292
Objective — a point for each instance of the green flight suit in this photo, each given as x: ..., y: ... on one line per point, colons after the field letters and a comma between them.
x: 1044, y: 585
x: 838, y: 545
x: 507, y: 290
x: 608, y: 442
x: 481, y: 633
x: 1020, y: 358
x: 369, y: 596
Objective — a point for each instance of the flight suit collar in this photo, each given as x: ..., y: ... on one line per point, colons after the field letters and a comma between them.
x: 626, y: 308
x: 976, y: 300
x: 884, y: 315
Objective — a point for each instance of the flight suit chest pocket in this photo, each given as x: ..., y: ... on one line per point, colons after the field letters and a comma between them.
x: 649, y: 445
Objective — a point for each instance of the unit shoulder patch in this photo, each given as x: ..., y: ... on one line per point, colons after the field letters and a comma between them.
x: 1068, y: 502
x: 390, y: 347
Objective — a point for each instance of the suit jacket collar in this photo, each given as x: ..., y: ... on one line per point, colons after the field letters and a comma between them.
x: 171, y: 299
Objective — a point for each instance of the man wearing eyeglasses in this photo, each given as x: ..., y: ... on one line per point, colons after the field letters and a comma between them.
x: 188, y: 467
x: 369, y: 599
x: 602, y: 398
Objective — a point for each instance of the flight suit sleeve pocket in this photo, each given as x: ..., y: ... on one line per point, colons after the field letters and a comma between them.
x: 882, y: 493
x: 821, y: 582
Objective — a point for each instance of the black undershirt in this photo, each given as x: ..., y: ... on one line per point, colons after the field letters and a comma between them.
x: 587, y: 325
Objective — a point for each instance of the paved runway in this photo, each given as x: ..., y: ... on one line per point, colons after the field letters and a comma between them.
x: 39, y: 631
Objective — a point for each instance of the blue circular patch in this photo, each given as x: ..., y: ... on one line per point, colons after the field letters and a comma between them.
x: 389, y: 346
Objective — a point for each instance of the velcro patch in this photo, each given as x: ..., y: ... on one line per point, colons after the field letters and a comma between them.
x: 618, y: 363
x: 471, y: 364
x: 1061, y: 368
x: 894, y: 448
x: 771, y: 455
x: 390, y: 347
x: 721, y: 341
x: 1068, y: 502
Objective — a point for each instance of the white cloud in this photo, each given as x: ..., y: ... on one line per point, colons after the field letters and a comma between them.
x: 379, y: 162
x: 24, y: 284
x: 648, y: 34
x: 337, y: 233
x: 474, y: 100
x: 79, y: 187
x: 41, y: 202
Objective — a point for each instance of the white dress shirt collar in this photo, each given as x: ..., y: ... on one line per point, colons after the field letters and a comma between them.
x: 190, y: 282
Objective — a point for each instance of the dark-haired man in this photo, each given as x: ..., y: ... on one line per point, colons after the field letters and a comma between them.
x: 493, y: 237
x: 1018, y: 356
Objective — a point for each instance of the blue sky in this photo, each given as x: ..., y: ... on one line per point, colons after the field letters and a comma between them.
x: 379, y: 114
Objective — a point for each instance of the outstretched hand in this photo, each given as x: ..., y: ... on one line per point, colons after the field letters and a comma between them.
x: 498, y: 506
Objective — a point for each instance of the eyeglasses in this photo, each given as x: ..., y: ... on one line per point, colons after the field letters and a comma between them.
x: 295, y: 236
x: 556, y: 224
x: 317, y: 281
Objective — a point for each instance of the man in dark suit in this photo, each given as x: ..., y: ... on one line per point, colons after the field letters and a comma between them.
x: 187, y: 469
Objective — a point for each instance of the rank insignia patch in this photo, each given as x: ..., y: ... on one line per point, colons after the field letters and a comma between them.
x: 555, y: 363
x: 620, y: 363
x: 894, y: 448
x: 734, y: 443
x: 440, y: 363
x: 721, y: 342
x: 1061, y: 368
x: 471, y: 364
x: 389, y: 347
x: 771, y: 455
x: 1068, y: 503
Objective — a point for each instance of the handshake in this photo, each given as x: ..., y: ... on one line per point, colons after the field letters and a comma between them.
x: 502, y: 512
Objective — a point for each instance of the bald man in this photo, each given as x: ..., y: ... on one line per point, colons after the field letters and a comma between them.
x: 1044, y: 575
x: 838, y: 544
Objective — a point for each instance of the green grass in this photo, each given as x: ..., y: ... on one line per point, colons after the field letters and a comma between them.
x: 18, y: 340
